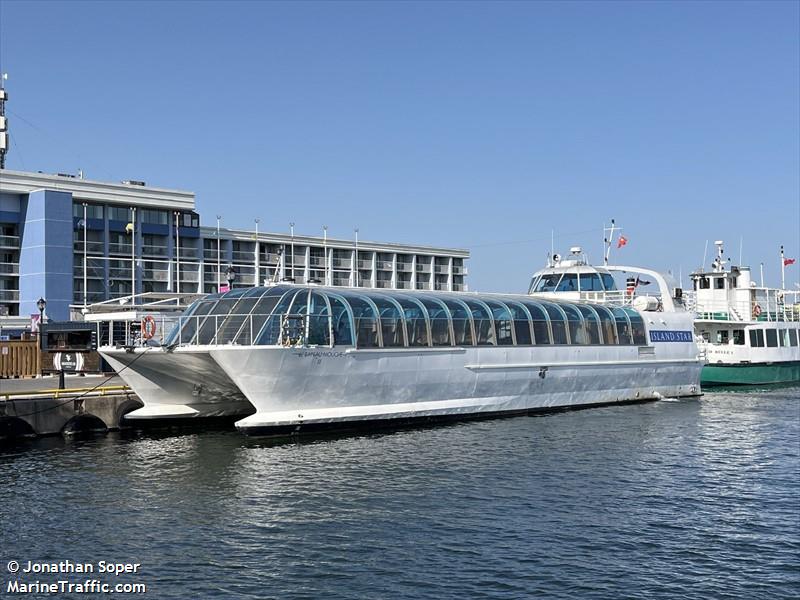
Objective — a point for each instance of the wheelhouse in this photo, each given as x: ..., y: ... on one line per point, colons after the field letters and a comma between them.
x: 290, y: 315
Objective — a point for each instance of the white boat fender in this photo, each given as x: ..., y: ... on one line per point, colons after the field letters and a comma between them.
x: 645, y: 303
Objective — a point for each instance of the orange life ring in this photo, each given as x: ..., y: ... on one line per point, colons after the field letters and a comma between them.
x: 756, y: 311
x: 148, y: 327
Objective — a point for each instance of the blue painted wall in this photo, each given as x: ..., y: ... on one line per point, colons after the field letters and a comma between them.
x: 45, y: 257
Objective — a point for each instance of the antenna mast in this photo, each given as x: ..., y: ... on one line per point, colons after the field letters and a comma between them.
x: 609, y: 240
x: 3, y: 122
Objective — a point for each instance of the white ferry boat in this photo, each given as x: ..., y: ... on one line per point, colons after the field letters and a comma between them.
x: 750, y: 333
x: 310, y: 357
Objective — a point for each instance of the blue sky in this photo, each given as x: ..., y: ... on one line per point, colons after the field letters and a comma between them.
x: 476, y: 125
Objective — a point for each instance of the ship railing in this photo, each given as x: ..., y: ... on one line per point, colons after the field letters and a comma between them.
x: 768, y: 305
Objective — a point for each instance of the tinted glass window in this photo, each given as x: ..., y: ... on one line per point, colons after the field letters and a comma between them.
x: 608, y: 325
x: 270, y: 334
x: 522, y: 329
x: 462, y: 323
x: 623, y: 326
x: 753, y: 339
x: 391, y: 322
x: 340, y: 322
x: 439, y: 318
x: 760, y: 338
x: 548, y: 283
x: 502, y: 322
x: 738, y: 337
x: 416, y: 321
x: 558, y: 323
x: 794, y: 337
x: 318, y: 321
x: 590, y: 282
x: 365, y: 321
x: 608, y: 282
x: 772, y: 338
x: 568, y: 283
x: 577, y: 331
x: 637, y: 325
x: 482, y: 320
x: 539, y: 323
x: 591, y: 322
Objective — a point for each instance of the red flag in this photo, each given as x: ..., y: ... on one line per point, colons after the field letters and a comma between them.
x: 622, y: 241
x: 788, y: 261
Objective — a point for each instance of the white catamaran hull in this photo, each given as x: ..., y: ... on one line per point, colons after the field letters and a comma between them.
x: 302, y: 388
x: 185, y: 382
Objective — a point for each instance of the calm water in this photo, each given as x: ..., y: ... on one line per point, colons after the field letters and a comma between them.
x: 675, y: 499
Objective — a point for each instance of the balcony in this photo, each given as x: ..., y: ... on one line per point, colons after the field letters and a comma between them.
x: 271, y: 258
x: 9, y: 269
x: 191, y: 253
x: 317, y: 261
x: 383, y: 284
x: 385, y: 265
x: 404, y: 285
x: 365, y: 264
x: 405, y: 267
x: 459, y: 270
x: 423, y: 267
x: 9, y: 242
x: 9, y: 295
x: 442, y: 287
x: 150, y: 275
x: 190, y: 276
x: 423, y: 286
x: 243, y: 256
x: 441, y: 269
x: 117, y: 248
x: 150, y: 250
x: 92, y: 247
x: 342, y: 263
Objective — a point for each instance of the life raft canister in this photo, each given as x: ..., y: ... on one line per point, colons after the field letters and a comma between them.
x: 148, y: 327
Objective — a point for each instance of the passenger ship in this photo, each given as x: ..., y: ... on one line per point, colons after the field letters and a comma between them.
x: 309, y: 357
x: 750, y: 333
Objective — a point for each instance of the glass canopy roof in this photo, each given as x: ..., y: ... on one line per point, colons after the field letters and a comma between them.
x: 371, y: 318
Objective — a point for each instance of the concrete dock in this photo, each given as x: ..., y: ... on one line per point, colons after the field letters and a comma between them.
x: 34, y: 407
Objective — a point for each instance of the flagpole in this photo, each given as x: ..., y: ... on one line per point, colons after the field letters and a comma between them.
x: 85, y: 278
x: 133, y: 255
x: 177, y: 253
x: 783, y: 271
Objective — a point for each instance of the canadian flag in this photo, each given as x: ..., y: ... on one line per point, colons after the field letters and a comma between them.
x: 788, y: 261
x: 622, y: 241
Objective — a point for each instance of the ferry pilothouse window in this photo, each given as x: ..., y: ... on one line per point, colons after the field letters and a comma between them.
x: 704, y: 282
x: 794, y: 337
x: 568, y: 283
x: 548, y: 283
x: 719, y: 283
x: 783, y: 337
x: 608, y: 282
x: 756, y: 338
x: 738, y: 337
x: 590, y: 282
x: 722, y: 336
x: 772, y: 338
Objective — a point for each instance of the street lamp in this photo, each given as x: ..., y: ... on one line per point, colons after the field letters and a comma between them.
x: 41, y: 303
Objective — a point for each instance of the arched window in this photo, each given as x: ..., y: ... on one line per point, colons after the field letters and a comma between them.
x: 290, y: 302
x: 483, y: 322
x: 391, y: 319
x: 439, y: 318
x: 522, y: 322
x: 365, y: 320
x: 577, y: 329
x: 539, y: 322
x: 607, y: 325
x: 341, y: 321
x: 637, y: 326
x: 558, y: 323
x: 416, y: 318
x: 623, y: 326
x: 462, y: 322
x: 592, y: 323
x: 503, y: 326
x: 319, y: 320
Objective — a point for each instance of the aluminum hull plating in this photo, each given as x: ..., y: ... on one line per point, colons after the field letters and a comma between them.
x: 183, y: 383
x: 310, y: 387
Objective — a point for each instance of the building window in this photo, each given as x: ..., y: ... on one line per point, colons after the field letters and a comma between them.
x: 119, y: 213
x: 93, y: 211
x: 155, y: 217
